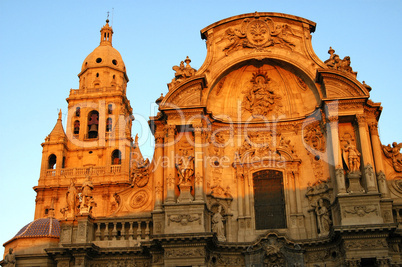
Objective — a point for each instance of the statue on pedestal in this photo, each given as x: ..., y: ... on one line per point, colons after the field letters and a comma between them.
x: 217, y: 225
x: 9, y: 259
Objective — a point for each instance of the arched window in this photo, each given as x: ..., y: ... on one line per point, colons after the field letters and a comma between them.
x: 116, y: 157
x: 110, y: 109
x: 269, y: 200
x: 77, y: 127
x: 52, y: 161
x: 93, y: 123
x: 77, y: 111
x: 109, y: 123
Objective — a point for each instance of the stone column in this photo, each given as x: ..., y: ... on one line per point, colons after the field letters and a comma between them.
x: 158, y: 167
x: 292, y: 193
x: 198, y: 163
x: 379, y: 165
x: 366, y: 154
x: 247, y: 195
x: 171, y: 168
x: 337, y: 155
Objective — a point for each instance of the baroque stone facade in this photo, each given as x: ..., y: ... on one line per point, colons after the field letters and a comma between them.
x: 265, y: 156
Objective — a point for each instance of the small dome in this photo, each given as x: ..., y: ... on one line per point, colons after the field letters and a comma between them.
x: 44, y: 227
x: 104, y: 56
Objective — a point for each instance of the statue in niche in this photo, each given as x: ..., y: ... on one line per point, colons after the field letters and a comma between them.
x: 9, y: 259
x: 394, y: 154
x: 323, y: 218
x: 217, y: 225
x: 260, y: 99
x: 351, y: 156
x: 185, y: 169
x: 141, y: 173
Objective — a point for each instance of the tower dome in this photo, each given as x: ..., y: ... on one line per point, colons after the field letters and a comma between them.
x: 104, y: 55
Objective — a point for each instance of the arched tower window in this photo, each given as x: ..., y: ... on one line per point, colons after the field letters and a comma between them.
x: 93, y: 123
x: 52, y: 161
x: 110, y: 109
x: 116, y: 157
x: 77, y: 111
x: 109, y: 123
x: 269, y: 201
x: 76, y: 127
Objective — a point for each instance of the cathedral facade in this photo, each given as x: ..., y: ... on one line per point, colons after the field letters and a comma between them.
x: 264, y: 156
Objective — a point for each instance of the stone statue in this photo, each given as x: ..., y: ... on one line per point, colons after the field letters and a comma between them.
x: 86, y: 196
x: 185, y: 168
x: 9, y: 259
x: 394, y: 154
x: 323, y: 219
x: 217, y: 225
x: 71, y: 197
x: 351, y: 156
x: 141, y: 173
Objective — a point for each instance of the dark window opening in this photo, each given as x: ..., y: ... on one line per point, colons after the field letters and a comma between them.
x: 93, y: 123
x: 77, y: 111
x: 114, y: 61
x: 109, y: 124
x: 77, y: 127
x: 116, y: 157
x: 269, y: 201
x: 98, y: 60
x: 368, y: 262
x: 52, y: 161
x: 110, y: 109
x: 97, y: 75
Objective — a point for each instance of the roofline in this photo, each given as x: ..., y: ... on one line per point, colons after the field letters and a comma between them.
x: 256, y: 15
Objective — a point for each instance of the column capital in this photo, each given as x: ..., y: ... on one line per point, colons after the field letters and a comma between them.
x: 170, y: 129
x: 373, y: 126
x: 360, y: 119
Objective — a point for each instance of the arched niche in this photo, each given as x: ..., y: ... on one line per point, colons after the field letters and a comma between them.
x: 267, y: 90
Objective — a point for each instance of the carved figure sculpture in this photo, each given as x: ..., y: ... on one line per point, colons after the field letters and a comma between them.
x: 351, y: 156
x: 334, y: 62
x: 323, y: 219
x: 260, y: 99
x: 9, y: 259
x: 217, y: 225
x: 86, y: 196
x: 394, y: 154
x: 71, y: 197
x: 185, y: 169
x: 182, y: 72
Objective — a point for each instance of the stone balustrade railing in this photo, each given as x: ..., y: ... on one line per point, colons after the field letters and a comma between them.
x: 82, y: 172
x: 122, y: 231
x: 95, y: 90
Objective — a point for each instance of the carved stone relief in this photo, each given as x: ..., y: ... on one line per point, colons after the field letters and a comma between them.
x: 184, y: 219
x: 140, y: 173
x: 259, y: 34
x: 262, y: 97
x: 184, y: 253
x: 361, y: 210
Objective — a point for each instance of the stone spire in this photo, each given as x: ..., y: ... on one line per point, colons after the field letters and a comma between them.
x: 58, y: 131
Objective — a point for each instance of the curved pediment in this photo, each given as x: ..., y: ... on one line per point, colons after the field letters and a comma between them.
x: 187, y: 94
x: 340, y: 85
x: 262, y: 90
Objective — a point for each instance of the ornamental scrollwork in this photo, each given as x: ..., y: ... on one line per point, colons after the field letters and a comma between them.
x: 259, y: 34
x: 335, y: 62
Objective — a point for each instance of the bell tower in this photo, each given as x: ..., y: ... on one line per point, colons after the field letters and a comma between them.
x: 97, y: 140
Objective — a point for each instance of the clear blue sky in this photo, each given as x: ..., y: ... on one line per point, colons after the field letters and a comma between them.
x: 43, y: 44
